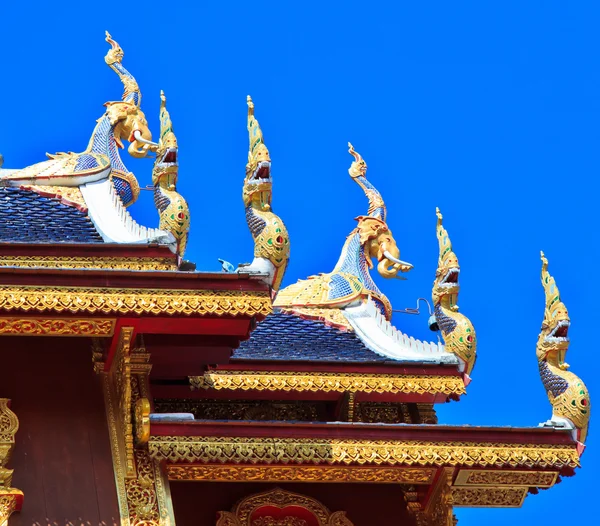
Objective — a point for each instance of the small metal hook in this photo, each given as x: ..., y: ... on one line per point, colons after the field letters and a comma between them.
x: 416, y: 310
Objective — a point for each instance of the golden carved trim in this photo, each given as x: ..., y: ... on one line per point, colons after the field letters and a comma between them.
x: 111, y: 263
x: 10, y: 498
x: 142, y: 421
x: 10, y: 501
x: 328, y: 382
x: 239, y: 450
x: 121, y: 379
x: 480, y: 477
x: 486, y: 497
x: 243, y: 512
x: 56, y: 327
x: 138, y: 301
x: 144, y: 500
x: 220, y: 473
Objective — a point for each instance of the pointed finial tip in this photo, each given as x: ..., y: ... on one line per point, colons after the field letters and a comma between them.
x: 162, y: 93
x: 438, y: 214
x: 350, y: 146
x: 248, y: 98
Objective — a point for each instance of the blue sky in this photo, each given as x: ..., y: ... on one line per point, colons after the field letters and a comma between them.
x: 489, y: 110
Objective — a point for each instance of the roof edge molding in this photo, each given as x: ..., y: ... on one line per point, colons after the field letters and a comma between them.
x: 112, y: 220
x: 381, y: 337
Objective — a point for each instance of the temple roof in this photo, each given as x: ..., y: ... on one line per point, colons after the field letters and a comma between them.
x: 288, y: 337
x: 28, y: 217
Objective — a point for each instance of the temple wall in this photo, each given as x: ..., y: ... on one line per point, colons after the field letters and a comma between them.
x: 197, y: 503
x: 62, y: 459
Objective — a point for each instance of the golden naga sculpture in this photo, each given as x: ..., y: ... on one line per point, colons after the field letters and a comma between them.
x: 457, y: 330
x: 172, y: 209
x: 271, y: 240
x: 350, y: 281
x: 567, y: 393
x: 122, y: 121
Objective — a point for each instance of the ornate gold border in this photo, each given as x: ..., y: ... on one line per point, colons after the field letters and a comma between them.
x: 241, y: 450
x: 138, y: 301
x: 495, y: 478
x: 111, y: 263
x: 220, y: 473
x: 56, y: 327
x: 476, y: 497
x: 328, y: 382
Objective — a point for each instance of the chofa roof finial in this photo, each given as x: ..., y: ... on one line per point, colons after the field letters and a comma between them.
x: 358, y: 172
x: 113, y: 58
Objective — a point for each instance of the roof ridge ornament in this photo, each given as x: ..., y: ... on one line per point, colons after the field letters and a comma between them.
x: 172, y: 208
x: 567, y: 393
x: 123, y: 120
x: 113, y: 59
x: 358, y: 172
x: 457, y: 330
x: 271, y: 239
x: 350, y: 280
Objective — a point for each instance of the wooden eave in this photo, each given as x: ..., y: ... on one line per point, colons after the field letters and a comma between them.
x: 487, y: 466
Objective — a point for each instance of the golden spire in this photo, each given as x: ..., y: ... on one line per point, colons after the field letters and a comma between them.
x: 258, y: 150
x: 447, y: 257
x: 555, y: 308
x: 167, y: 135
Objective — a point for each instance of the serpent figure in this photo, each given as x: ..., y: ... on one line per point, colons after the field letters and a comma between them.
x: 172, y: 209
x: 567, y: 393
x: 457, y: 330
x: 271, y: 240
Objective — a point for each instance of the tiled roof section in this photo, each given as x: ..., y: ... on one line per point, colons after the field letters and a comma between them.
x: 288, y: 337
x: 28, y: 217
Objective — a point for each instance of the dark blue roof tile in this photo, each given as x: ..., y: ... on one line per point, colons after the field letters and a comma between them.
x: 28, y: 217
x: 288, y: 337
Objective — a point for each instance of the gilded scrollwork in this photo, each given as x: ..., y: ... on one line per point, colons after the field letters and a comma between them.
x: 346, y: 474
x: 485, y: 497
x: 478, y: 477
x: 56, y: 326
x: 71, y: 262
x: 328, y: 382
x: 10, y: 498
x: 240, y: 450
x: 245, y: 512
x: 134, y: 301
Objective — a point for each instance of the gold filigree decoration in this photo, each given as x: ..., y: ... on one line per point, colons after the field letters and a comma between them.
x: 457, y: 330
x: 438, y: 511
x: 121, y: 379
x: 219, y: 473
x: 466, y: 497
x: 68, y: 195
x: 142, y: 421
x: 143, y: 498
x: 566, y: 392
x: 10, y: 498
x: 539, y: 479
x: 240, y: 450
x: 110, y: 263
x: 244, y: 512
x: 328, y: 382
x: 56, y: 327
x: 138, y: 301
